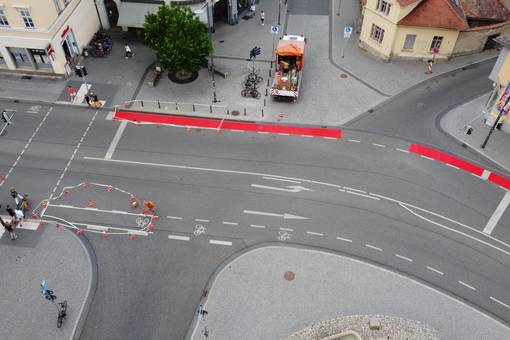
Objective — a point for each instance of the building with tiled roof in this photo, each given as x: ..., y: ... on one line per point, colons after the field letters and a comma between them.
x: 431, y: 29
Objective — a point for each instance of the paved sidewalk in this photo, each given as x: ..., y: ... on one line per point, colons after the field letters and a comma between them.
x: 250, y: 298
x: 47, y: 253
x: 471, y: 113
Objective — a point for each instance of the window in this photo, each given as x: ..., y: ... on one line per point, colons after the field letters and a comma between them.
x: 436, y: 43
x: 377, y: 33
x: 3, y: 18
x: 409, y: 42
x: 383, y: 6
x: 27, y: 19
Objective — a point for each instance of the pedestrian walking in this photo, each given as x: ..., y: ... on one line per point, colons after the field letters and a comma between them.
x: 72, y: 93
x: 11, y: 213
x: 262, y: 17
x: 20, y: 216
x: 87, y: 99
x: 429, y: 66
x: 17, y: 197
x: 129, y: 53
x: 9, y: 228
x: 253, y: 8
x: 24, y: 203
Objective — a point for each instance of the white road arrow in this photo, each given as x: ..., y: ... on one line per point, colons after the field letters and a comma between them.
x: 288, y: 188
x: 285, y: 216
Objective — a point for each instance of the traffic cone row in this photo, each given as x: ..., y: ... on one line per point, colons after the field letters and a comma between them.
x: 132, y: 200
x: 109, y: 188
x: 84, y: 185
x: 91, y: 204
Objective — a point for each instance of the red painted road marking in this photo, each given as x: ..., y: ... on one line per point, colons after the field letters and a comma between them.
x: 499, y: 180
x: 445, y: 158
x: 227, y: 125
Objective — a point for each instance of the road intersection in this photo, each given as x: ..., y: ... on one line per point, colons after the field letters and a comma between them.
x: 365, y: 195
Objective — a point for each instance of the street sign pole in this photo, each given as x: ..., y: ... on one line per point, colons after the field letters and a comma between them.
x: 274, y: 31
x: 500, y: 114
x: 347, y: 35
x: 209, y: 27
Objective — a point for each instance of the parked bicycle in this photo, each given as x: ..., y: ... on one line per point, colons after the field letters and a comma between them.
x: 61, y: 306
x: 250, y: 91
x: 100, y: 45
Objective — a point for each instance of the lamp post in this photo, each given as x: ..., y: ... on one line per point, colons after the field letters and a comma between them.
x: 279, y: 6
x: 500, y: 114
x: 209, y: 27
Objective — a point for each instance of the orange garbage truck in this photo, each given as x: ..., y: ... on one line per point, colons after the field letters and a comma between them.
x: 289, y: 67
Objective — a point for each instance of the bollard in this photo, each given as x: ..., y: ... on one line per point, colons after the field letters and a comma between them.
x: 266, y: 91
x: 269, y: 72
x: 267, y: 83
x: 264, y: 101
x: 159, y: 105
x: 271, y: 65
x: 176, y: 107
x: 228, y: 112
x: 141, y: 101
x: 210, y: 108
x: 193, y: 107
x: 262, y: 113
x: 245, y: 111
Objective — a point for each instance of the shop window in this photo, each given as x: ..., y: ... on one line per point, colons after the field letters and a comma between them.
x: 377, y: 33
x: 27, y: 18
x: 21, y: 57
x: 436, y: 42
x: 409, y: 42
x: 40, y: 57
x: 3, y: 19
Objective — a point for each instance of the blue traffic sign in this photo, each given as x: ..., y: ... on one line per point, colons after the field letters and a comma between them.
x: 275, y: 29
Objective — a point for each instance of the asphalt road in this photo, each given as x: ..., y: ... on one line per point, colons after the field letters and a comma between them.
x: 220, y: 192
x: 415, y: 114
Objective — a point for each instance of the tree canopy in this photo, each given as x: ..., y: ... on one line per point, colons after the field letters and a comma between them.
x: 178, y: 37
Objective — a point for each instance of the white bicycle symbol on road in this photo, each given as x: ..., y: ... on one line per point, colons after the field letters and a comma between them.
x: 142, y: 222
x: 284, y: 236
x: 199, y: 230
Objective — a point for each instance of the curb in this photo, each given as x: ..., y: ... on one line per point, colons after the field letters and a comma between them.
x: 85, y: 307
x: 192, y: 326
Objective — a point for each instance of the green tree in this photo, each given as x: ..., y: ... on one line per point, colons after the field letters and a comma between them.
x: 179, y: 38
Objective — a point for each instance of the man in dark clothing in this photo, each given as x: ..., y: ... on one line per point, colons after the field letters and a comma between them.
x: 11, y: 212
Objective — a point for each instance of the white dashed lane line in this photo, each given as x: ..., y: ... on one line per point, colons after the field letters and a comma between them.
x: 500, y: 302
x: 287, y: 229
x: 201, y: 220
x: 373, y: 247
x: 379, y: 145
x: 357, y: 190
x: 258, y: 226
x: 174, y: 217
x: 354, y: 141
x: 344, y: 239
x: 452, y: 166
x: 430, y: 159
x: 466, y: 285
x: 404, y: 258
x: 230, y: 223
x: 221, y: 243
x: 435, y: 270
x: 314, y: 233
x: 402, y: 150
x: 178, y: 237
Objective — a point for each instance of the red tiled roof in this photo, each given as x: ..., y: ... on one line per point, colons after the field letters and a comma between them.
x: 404, y: 3
x: 436, y: 13
x: 485, y: 10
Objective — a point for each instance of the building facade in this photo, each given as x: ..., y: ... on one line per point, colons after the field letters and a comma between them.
x: 431, y: 29
x: 500, y: 75
x: 45, y: 36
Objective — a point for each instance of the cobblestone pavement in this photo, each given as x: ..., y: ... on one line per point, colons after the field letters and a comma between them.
x: 391, y: 328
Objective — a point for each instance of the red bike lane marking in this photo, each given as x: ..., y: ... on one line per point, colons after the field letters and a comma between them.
x: 227, y: 125
x: 499, y: 180
x: 445, y: 158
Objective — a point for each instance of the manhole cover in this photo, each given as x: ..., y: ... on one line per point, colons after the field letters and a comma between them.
x: 289, y: 276
x: 343, y: 76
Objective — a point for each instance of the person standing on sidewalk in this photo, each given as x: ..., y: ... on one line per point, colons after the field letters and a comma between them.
x: 11, y: 213
x: 129, y: 53
x: 262, y: 17
x: 72, y: 93
x: 9, y: 228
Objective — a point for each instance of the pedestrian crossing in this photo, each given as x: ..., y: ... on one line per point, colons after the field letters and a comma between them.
x: 28, y: 224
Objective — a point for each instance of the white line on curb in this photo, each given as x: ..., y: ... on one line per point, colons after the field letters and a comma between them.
x: 452, y: 166
x: 357, y: 190
x: 435, y: 270
x: 431, y: 159
x: 402, y: 150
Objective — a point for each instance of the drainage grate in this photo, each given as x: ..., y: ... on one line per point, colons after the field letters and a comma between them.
x: 343, y: 75
x: 26, y: 77
x: 289, y: 276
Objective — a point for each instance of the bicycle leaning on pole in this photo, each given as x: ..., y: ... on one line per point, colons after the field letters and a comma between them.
x: 61, y: 306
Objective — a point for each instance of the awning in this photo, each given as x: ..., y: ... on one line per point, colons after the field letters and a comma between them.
x: 132, y: 14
